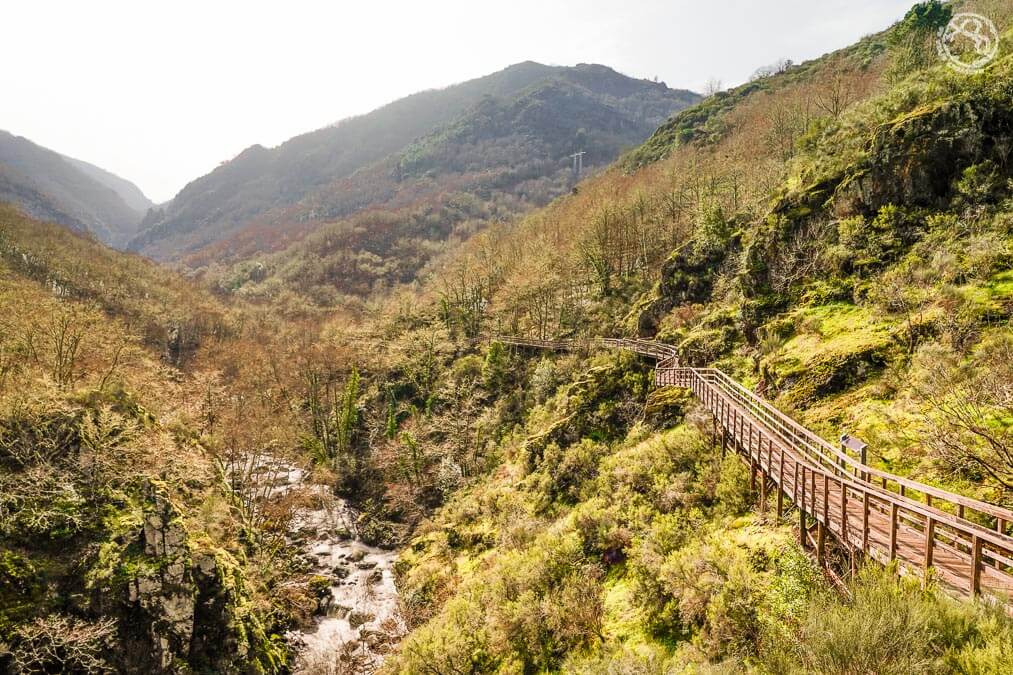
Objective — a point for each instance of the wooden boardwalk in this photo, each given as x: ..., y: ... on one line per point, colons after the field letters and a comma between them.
x: 961, y: 542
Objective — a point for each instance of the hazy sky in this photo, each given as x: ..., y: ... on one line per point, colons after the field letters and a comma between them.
x: 161, y: 92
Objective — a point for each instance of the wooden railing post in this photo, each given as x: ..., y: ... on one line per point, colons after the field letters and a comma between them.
x: 865, y: 522
x: 794, y: 483
x: 801, y: 513
x: 844, y: 514
x: 821, y: 535
x: 826, y: 500
x: 780, y: 485
x: 975, y: 565
x: 930, y: 534
x: 893, y: 531
x: 812, y: 491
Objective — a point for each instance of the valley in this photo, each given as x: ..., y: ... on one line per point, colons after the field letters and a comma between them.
x: 408, y: 394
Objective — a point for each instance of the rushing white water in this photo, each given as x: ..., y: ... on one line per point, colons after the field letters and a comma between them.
x: 360, y: 623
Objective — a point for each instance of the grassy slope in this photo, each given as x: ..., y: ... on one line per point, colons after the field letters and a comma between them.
x: 831, y: 260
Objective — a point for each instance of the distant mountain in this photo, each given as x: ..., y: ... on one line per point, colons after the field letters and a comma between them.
x: 49, y: 186
x: 492, y: 133
x: 128, y: 192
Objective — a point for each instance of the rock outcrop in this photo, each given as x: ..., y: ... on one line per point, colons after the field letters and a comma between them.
x: 185, y: 604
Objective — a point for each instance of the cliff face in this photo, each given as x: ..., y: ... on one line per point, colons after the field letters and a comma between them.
x: 166, y: 604
x: 185, y: 606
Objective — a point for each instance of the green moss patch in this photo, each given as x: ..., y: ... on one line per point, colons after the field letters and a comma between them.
x: 835, y: 346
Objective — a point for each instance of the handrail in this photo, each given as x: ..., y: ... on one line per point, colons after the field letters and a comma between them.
x: 972, y: 559
x: 1003, y: 515
x: 902, y: 502
x: 645, y: 347
x: 823, y: 457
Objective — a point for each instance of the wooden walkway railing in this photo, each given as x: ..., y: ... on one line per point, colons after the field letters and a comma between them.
x: 963, y: 542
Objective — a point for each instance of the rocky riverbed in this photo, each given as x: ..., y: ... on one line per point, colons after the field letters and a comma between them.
x: 359, y: 621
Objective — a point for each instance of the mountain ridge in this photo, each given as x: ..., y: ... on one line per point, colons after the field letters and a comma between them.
x: 306, y: 178
x: 132, y: 195
x: 51, y: 186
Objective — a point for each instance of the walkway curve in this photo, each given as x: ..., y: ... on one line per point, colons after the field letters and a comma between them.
x: 961, y: 542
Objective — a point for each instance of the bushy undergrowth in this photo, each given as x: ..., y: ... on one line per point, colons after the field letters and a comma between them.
x: 113, y: 424
x: 837, y: 234
x: 638, y: 553
x: 850, y: 263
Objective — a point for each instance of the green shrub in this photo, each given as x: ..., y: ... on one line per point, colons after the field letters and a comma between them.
x: 911, y: 39
x: 733, y: 492
x: 494, y: 368
x: 564, y: 473
x: 891, y: 625
x: 525, y: 611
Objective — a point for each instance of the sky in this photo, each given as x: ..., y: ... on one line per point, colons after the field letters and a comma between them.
x: 161, y: 92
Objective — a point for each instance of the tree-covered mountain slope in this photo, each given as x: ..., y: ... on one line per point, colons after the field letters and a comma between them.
x: 837, y: 237
x: 52, y: 187
x: 136, y: 437
x: 527, y: 116
x: 128, y: 192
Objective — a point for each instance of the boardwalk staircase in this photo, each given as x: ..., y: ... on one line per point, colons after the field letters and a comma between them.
x: 963, y: 543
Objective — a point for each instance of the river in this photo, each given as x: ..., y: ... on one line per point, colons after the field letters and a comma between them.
x: 360, y: 621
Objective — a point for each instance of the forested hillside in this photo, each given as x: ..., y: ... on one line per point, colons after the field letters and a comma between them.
x: 501, y: 159
x: 52, y: 187
x: 401, y: 153
x: 837, y: 235
x: 128, y: 192
x: 137, y: 413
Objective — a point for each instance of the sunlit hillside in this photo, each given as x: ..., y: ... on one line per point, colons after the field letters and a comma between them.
x: 837, y: 236
x: 322, y: 445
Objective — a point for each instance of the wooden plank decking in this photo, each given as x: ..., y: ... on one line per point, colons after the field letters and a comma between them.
x: 869, y: 512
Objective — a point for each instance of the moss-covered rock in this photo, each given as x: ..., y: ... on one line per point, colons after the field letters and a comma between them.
x: 182, y: 605
x: 836, y: 346
x: 20, y: 590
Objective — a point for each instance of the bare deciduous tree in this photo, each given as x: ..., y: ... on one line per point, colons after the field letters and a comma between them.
x: 789, y: 119
x: 62, y: 644
x: 63, y: 336
x: 713, y: 86
x: 835, y: 93
x: 969, y: 406
x: 804, y: 257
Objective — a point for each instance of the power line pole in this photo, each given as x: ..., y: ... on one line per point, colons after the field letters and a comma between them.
x: 578, y: 163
